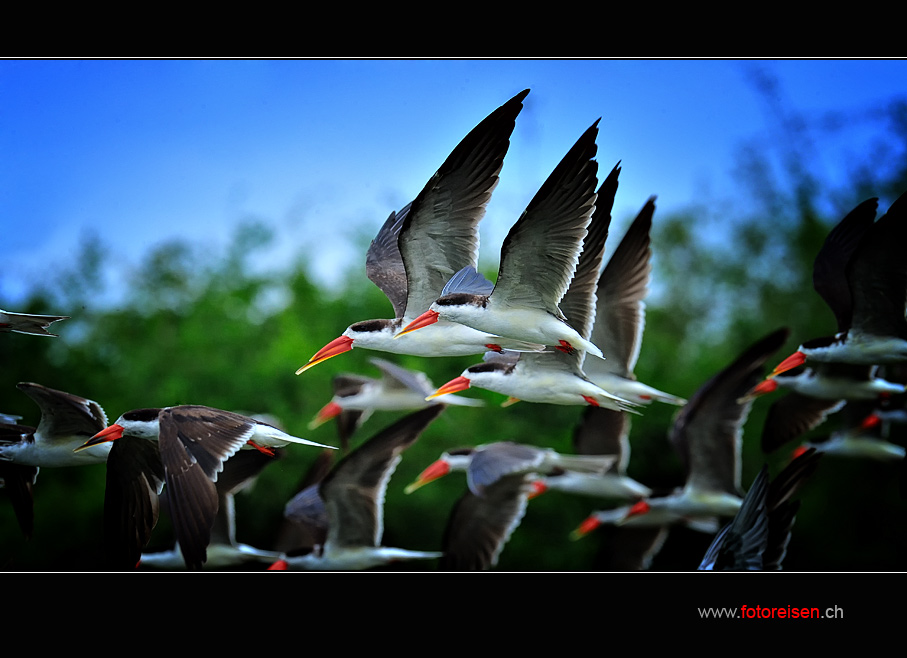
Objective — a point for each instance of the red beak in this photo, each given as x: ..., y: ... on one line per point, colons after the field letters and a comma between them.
x: 328, y: 411
x: 437, y: 470
x: 453, y: 386
x: 762, y: 388
x: 642, y: 507
x: 427, y: 318
x: 587, y: 526
x: 870, y: 421
x: 791, y: 362
x: 111, y: 433
x: 538, y: 488
x: 335, y: 347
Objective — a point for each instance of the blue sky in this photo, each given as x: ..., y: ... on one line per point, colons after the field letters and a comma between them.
x: 139, y: 152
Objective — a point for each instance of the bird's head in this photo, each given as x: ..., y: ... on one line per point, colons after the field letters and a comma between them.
x: 139, y: 423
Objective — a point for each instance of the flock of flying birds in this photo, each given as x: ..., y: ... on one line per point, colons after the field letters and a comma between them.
x: 554, y: 328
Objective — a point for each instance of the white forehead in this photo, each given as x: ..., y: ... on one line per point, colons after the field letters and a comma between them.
x: 139, y: 427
